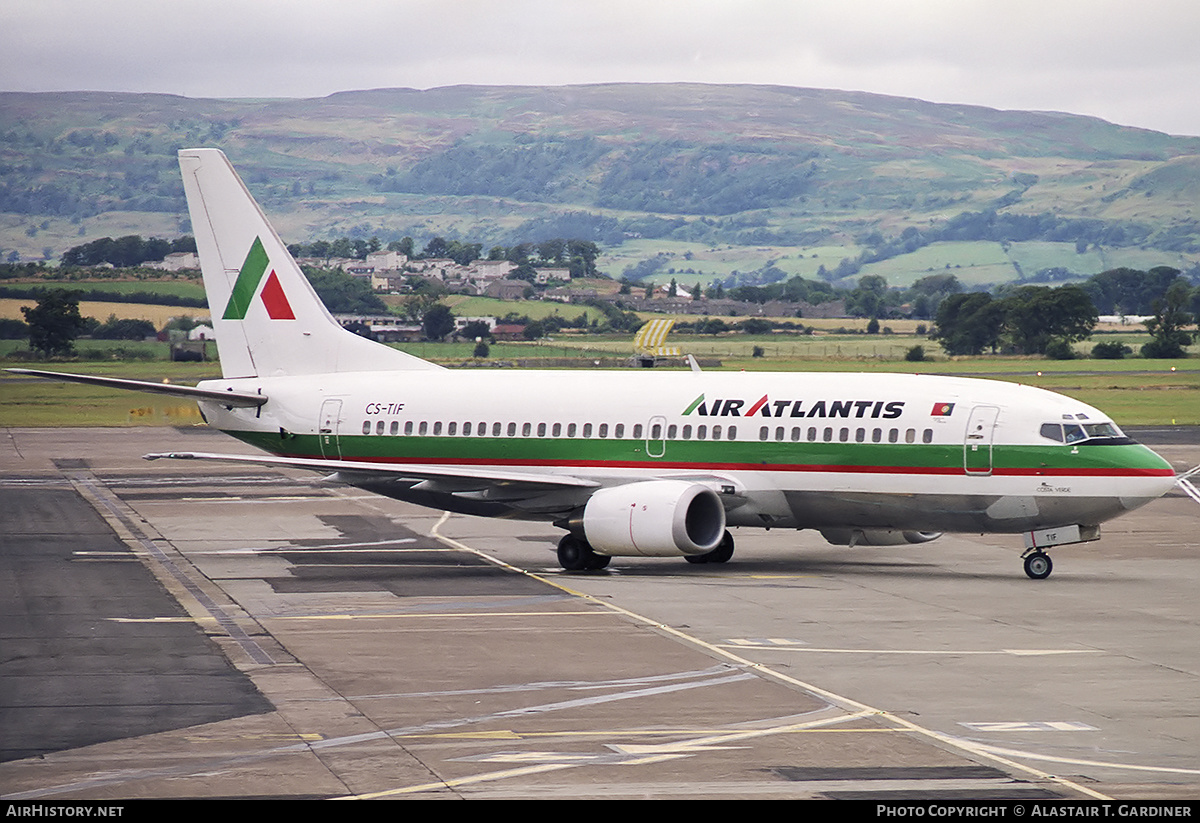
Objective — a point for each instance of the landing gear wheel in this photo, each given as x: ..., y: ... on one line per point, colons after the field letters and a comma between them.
x: 575, y: 555
x: 720, y: 554
x: 1038, y: 565
x: 723, y: 551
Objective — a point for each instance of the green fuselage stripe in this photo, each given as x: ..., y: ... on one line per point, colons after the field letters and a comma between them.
x: 1115, y: 460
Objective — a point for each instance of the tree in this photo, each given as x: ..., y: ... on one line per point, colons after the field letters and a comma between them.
x: 476, y: 330
x: 438, y: 321
x: 1036, y: 315
x: 969, y: 323
x: 1168, y: 337
x: 342, y: 293
x: 756, y: 325
x: 869, y: 298
x: 54, y: 323
x: 436, y: 248
x: 123, y: 329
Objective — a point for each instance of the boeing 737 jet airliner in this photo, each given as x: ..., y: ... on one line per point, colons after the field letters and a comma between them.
x: 632, y: 463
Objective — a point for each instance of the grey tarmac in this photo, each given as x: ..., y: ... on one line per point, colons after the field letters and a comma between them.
x: 194, y: 630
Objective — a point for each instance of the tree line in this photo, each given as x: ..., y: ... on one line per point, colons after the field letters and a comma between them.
x: 1044, y: 320
x: 125, y: 252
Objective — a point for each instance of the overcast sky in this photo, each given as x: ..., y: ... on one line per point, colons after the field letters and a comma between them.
x: 1134, y: 62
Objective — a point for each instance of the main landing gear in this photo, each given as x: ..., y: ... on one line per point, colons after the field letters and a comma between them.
x: 720, y: 554
x: 576, y: 555
x: 1038, y: 565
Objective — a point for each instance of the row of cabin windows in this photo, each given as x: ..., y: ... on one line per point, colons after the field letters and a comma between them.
x: 826, y: 435
x: 672, y: 431
x: 586, y: 430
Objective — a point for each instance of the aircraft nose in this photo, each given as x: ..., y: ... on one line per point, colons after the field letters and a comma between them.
x: 1159, y: 474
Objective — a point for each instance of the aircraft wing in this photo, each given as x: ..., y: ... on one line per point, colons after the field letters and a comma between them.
x: 463, y: 478
x: 225, y: 398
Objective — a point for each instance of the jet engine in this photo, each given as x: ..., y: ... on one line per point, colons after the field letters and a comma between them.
x: 876, y: 537
x: 657, y: 518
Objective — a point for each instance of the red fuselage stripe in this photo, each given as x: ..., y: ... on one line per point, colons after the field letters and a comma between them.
x: 1044, y: 471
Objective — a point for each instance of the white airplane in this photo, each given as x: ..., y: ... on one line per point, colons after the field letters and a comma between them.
x: 635, y: 463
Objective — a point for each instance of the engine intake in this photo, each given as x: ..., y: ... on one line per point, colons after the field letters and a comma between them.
x: 657, y: 518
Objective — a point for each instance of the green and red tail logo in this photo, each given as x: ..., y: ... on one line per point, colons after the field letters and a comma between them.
x: 246, y: 287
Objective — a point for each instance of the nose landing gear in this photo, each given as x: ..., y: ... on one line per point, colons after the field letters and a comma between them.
x: 1038, y: 565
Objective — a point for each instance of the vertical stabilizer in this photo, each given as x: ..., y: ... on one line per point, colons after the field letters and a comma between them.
x: 267, y: 318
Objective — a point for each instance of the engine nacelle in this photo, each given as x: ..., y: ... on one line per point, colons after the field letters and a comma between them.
x: 876, y: 537
x: 657, y: 518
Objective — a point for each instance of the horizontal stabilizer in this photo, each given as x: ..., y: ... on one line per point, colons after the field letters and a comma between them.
x: 225, y: 398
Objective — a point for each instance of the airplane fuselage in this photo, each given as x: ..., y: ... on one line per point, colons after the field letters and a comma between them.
x: 821, y: 451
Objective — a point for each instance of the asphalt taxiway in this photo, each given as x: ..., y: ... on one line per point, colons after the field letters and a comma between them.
x: 197, y: 630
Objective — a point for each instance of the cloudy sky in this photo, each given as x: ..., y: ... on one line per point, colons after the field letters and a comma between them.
x: 1134, y: 62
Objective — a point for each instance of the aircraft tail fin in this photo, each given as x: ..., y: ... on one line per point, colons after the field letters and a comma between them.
x: 267, y: 318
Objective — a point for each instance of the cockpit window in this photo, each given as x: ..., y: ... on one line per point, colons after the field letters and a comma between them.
x: 1077, y: 433
x: 1052, y: 431
x: 1102, y: 430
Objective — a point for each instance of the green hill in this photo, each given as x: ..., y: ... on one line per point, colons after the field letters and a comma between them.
x: 758, y: 172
